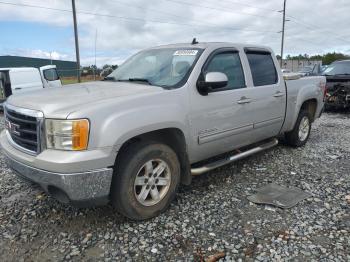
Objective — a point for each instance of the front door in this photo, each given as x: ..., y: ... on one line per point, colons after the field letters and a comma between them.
x: 220, y: 121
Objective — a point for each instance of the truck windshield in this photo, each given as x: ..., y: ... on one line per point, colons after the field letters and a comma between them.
x: 165, y: 67
x: 338, y: 68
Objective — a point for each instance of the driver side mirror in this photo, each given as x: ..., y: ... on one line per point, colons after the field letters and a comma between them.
x: 212, y: 81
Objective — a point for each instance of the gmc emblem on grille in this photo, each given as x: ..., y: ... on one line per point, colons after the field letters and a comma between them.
x: 12, y: 128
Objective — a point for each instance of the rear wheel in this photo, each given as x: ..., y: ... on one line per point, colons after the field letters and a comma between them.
x: 146, y: 178
x: 301, y: 131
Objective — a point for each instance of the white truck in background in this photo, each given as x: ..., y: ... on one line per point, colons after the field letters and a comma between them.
x: 16, y: 80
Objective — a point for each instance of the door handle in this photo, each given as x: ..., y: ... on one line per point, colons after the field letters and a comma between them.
x: 278, y: 94
x: 18, y: 88
x: 244, y: 100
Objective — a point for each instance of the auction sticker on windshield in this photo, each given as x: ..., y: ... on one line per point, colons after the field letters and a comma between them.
x: 186, y: 52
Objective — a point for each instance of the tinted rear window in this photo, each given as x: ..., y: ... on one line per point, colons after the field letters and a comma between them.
x: 262, y: 68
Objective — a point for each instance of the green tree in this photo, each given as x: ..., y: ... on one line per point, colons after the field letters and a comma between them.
x: 106, y: 66
x: 331, y: 57
x: 326, y: 58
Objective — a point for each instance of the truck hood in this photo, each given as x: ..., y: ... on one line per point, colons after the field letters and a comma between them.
x: 60, y: 102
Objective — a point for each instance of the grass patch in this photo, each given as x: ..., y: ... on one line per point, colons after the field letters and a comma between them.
x: 74, y: 80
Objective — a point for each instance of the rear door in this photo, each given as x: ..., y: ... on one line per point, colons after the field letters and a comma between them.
x: 267, y: 93
x: 25, y: 80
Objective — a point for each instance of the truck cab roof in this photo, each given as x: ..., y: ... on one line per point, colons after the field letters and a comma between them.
x: 18, y: 69
x: 213, y: 45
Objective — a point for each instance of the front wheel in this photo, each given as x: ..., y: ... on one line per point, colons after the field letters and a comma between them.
x: 301, y: 131
x: 145, y: 181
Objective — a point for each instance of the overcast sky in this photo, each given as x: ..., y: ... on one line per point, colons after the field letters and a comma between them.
x: 125, y: 26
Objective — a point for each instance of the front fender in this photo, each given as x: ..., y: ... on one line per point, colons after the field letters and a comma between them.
x: 128, y: 124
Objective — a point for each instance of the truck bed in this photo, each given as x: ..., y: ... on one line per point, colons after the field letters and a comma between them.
x: 297, y: 91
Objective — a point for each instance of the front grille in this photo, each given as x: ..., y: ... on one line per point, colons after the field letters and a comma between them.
x: 23, y: 129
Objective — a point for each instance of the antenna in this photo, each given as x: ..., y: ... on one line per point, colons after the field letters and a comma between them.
x: 194, y: 41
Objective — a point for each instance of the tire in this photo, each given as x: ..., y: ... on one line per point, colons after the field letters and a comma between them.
x: 300, y: 133
x: 134, y: 191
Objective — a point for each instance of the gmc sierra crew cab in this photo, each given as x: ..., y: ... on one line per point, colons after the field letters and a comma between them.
x: 164, y: 115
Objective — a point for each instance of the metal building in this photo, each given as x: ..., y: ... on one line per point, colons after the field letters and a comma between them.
x: 64, y: 68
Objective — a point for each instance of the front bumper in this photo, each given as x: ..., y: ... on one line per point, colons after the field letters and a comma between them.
x: 83, y: 189
x: 80, y: 178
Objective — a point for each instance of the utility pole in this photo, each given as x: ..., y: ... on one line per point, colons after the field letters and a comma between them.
x: 76, y: 40
x: 283, y: 25
x: 95, y: 55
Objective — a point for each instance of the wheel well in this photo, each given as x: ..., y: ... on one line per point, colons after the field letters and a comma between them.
x: 310, y: 106
x: 172, y: 137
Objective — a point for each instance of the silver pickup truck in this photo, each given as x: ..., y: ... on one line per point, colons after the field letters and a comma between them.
x: 166, y: 114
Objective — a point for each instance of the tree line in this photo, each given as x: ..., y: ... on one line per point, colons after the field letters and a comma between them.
x: 326, y: 59
x: 92, y: 69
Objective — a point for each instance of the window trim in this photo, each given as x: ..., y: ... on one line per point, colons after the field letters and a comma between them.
x: 256, y: 50
x: 262, y: 51
x: 210, y: 58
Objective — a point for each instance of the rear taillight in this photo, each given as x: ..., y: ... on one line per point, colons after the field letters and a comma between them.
x: 323, y: 88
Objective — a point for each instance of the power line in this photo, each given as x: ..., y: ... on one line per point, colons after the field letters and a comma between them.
x: 201, y: 23
x: 249, y: 5
x: 296, y: 38
x: 36, y: 6
x: 131, y: 18
x: 214, y: 8
x: 294, y: 19
x: 313, y: 28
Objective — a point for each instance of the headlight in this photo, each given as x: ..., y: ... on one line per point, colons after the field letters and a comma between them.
x: 67, y: 134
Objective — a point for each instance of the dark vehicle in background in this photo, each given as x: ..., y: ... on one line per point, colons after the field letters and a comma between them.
x: 323, y: 68
x: 338, y: 85
x: 311, y: 70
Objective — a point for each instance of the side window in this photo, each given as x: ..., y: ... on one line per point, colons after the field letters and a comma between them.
x: 228, y: 63
x: 50, y: 74
x: 262, y: 68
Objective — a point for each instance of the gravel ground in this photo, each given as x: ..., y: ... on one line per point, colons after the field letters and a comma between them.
x: 210, y: 216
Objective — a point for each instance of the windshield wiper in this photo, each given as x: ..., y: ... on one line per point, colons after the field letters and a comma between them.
x: 135, y: 79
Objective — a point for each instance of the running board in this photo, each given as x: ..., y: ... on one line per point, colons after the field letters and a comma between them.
x: 216, y: 164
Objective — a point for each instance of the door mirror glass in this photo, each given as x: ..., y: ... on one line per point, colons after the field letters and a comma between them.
x: 51, y: 74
